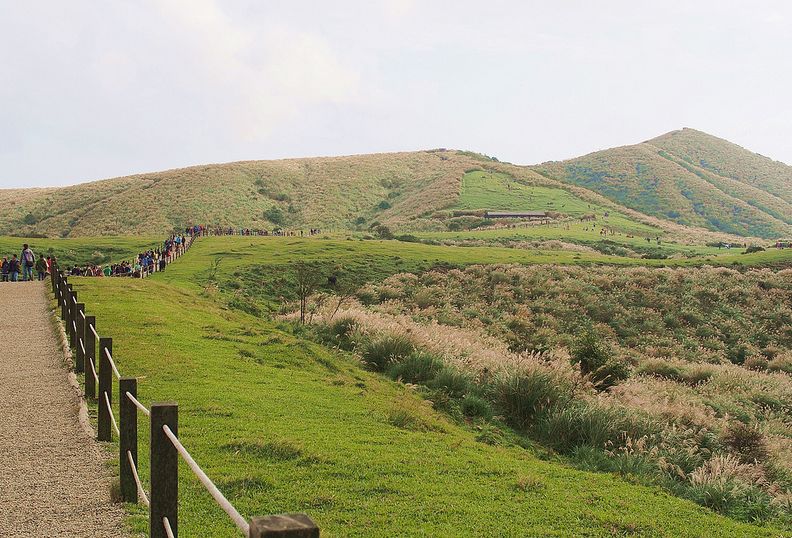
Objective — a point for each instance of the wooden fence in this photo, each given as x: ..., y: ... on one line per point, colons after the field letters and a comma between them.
x: 165, y: 447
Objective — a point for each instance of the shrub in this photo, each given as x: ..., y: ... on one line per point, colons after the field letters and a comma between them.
x: 384, y: 205
x: 523, y: 396
x: 340, y: 332
x: 474, y: 406
x: 416, y: 368
x: 30, y: 219
x: 660, y: 368
x: 753, y: 248
x: 746, y: 442
x: 381, y: 351
x: 593, y: 356
x: 274, y: 215
x: 781, y: 363
x: 452, y: 381
x: 583, y: 423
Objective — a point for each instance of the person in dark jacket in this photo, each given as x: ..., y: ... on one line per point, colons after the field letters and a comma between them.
x: 41, y: 268
x: 13, y: 268
x: 4, y: 270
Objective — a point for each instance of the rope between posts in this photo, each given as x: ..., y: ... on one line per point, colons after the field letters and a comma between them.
x: 110, y: 411
x: 168, y: 530
x: 208, y: 484
x: 93, y: 371
x: 140, y: 490
x: 82, y: 346
x: 74, y: 324
x: 82, y: 314
x: 74, y: 299
x: 93, y: 330
x: 112, y: 364
x: 138, y: 404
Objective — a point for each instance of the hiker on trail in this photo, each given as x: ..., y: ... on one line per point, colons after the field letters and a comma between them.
x: 4, y: 269
x: 13, y: 268
x: 28, y: 262
x: 41, y: 268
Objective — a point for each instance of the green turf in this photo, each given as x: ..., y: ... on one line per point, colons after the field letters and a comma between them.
x: 495, y: 190
x: 282, y: 424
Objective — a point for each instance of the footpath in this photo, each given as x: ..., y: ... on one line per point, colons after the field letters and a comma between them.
x: 53, y: 477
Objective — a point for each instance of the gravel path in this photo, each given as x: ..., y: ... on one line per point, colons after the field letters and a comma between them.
x: 52, y: 478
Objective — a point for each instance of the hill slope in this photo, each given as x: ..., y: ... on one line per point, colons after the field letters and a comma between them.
x: 320, y: 192
x: 682, y: 179
x: 691, y: 178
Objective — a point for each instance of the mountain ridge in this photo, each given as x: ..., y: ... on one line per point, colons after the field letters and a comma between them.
x: 681, y: 178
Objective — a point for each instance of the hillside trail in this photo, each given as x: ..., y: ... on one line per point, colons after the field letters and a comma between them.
x: 53, y: 481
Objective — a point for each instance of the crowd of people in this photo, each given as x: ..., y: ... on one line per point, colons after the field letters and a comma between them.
x: 27, y: 264
x: 151, y: 260
x: 202, y: 230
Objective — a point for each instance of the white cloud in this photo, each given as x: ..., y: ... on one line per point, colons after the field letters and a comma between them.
x: 269, y: 76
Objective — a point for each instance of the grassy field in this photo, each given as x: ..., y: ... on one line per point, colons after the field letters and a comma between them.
x: 282, y: 424
x: 98, y: 250
x: 498, y: 190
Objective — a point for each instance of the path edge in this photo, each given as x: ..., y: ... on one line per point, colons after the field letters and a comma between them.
x: 68, y: 364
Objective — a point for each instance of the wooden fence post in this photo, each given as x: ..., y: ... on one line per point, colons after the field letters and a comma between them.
x: 283, y: 526
x: 127, y: 441
x: 164, y: 463
x: 71, y: 297
x: 79, y: 363
x: 105, y: 387
x: 62, y: 297
x: 90, y: 357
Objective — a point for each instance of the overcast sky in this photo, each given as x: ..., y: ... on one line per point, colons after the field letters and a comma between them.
x: 90, y: 90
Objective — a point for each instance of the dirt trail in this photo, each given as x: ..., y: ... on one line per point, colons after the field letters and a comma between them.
x: 52, y: 478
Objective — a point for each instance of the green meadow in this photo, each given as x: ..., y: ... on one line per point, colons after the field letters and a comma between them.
x: 497, y: 190
x: 282, y: 424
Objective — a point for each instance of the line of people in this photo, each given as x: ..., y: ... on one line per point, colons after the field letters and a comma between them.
x: 145, y: 262
x: 26, y: 264
x: 202, y: 230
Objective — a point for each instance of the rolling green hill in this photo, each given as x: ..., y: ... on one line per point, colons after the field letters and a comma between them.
x: 685, y: 182
x: 691, y: 178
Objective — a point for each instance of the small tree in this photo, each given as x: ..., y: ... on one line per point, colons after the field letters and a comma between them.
x: 307, y: 278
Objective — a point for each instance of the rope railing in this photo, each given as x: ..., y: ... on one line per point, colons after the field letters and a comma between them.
x: 112, y: 416
x: 165, y: 447
x: 93, y: 371
x: 140, y: 491
x: 219, y: 498
x: 167, y: 527
x: 139, y: 405
x: 112, y: 364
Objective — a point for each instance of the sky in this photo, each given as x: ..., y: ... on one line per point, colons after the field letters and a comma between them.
x: 91, y: 90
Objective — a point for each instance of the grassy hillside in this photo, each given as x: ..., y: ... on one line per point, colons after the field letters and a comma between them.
x: 321, y: 192
x: 283, y: 424
x: 729, y: 160
x: 691, y: 178
x: 682, y: 183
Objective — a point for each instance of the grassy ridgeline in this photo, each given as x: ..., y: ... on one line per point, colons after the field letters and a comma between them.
x: 282, y: 424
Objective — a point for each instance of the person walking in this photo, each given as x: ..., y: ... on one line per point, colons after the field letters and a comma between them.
x: 4, y: 269
x: 28, y: 262
x: 13, y: 268
x: 41, y: 268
